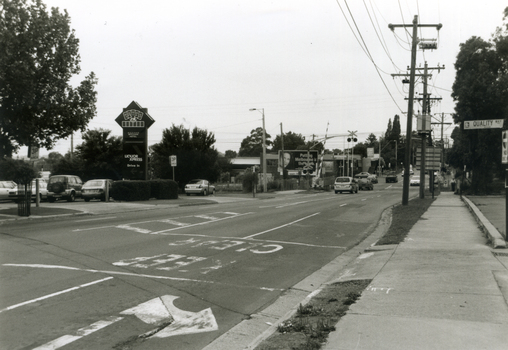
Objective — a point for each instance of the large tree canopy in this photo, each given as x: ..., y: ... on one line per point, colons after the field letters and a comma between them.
x: 101, y: 154
x: 38, y: 57
x: 292, y: 141
x: 480, y: 91
x: 196, y: 156
x: 252, y: 145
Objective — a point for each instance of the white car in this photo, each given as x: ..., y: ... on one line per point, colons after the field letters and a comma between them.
x: 5, y: 188
x: 43, y: 191
x: 199, y: 186
x: 415, y: 180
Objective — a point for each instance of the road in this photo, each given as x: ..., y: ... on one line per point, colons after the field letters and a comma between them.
x: 169, y: 279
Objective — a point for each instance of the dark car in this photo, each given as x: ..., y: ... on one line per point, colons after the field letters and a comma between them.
x: 391, y: 177
x: 365, y: 184
x: 64, y: 187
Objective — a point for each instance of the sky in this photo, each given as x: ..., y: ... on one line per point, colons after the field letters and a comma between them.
x: 316, y: 67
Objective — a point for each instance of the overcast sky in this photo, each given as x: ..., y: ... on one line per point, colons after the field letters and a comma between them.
x: 306, y: 62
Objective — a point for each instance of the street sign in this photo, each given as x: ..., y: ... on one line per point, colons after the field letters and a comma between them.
x: 484, y: 124
x: 432, y: 158
x: 172, y: 159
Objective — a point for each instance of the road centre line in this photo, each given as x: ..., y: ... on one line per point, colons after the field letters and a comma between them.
x: 42, y: 266
x: 276, y: 228
x: 55, y: 294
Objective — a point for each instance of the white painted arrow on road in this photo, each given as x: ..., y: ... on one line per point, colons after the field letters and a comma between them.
x: 184, y: 322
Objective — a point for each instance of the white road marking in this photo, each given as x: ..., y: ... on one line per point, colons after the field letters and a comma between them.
x: 96, y: 219
x: 132, y: 228
x: 55, y: 294
x: 343, y: 205
x: 285, y: 225
x: 41, y: 266
x: 80, y: 333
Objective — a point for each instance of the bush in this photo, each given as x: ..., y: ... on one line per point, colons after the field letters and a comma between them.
x: 163, y: 189
x: 249, y: 179
x: 137, y: 190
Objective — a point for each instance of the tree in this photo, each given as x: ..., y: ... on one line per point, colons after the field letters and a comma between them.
x: 101, y: 155
x: 38, y: 57
x: 252, y: 145
x: 291, y: 141
x: 196, y: 156
x: 480, y: 91
x: 230, y: 154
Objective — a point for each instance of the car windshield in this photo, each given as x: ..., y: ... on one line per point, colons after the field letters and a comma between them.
x: 6, y: 185
x: 194, y: 182
x: 92, y: 183
x: 342, y: 179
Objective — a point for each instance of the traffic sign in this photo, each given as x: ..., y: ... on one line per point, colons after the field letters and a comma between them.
x: 484, y: 124
x: 432, y: 158
x: 172, y: 159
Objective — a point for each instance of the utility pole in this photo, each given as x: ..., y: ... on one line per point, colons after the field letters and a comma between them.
x: 282, y: 147
x: 407, y: 156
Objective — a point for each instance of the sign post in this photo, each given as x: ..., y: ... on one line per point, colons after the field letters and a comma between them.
x: 172, y: 160
x: 504, y: 160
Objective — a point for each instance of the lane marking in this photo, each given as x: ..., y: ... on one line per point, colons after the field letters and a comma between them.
x: 285, y: 225
x: 96, y: 219
x: 42, y: 266
x: 80, y: 333
x: 55, y: 294
x: 343, y: 205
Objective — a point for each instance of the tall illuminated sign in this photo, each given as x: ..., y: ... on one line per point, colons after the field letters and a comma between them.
x: 135, y: 122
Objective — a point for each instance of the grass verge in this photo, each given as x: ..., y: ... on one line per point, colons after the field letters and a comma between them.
x: 308, y: 329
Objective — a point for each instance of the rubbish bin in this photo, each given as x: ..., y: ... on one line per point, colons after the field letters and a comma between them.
x: 24, y: 199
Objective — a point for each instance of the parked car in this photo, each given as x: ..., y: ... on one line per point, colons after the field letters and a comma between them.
x: 95, y: 189
x: 345, y: 184
x: 43, y: 191
x: 199, y: 186
x: 415, y: 180
x: 5, y: 187
x: 362, y: 175
x: 391, y: 177
x: 64, y: 187
x: 373, y: 178
x: 365, y: 184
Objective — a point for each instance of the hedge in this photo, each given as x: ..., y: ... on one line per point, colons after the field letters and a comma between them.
x: 140, y: 190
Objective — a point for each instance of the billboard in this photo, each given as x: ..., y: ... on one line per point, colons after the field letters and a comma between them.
x: 298, y: 162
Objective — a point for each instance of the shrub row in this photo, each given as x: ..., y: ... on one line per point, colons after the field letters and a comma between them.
x: 140, y: 190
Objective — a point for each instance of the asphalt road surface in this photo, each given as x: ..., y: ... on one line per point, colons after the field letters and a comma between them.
x: 169, y: 279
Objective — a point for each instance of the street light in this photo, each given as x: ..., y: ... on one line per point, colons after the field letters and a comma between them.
x: 262, y: 111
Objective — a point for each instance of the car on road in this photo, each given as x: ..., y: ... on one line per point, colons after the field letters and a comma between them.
x: 96, y: 189
x: 199, y: 187
x: 391, y: 177
x: 345, y: 184
x: 43, y: 191
x: 64, y: 187
x: 415, y: 180
x: 373, y: 178
x: 362, y: 175
x: 5, y: 187
x: 365, y: 184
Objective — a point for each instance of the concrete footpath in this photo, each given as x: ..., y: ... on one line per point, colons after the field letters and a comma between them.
x: 444, y: 287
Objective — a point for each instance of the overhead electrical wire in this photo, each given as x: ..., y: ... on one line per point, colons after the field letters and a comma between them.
x: 365, y: 49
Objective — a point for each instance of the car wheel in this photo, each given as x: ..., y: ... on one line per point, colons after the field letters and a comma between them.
x: 72, y: 197
x: 213, y: 192
x: 51, y: 199
x: 352, y: 191
x: 205, y: 193
x: 188, y: 194
x: 87, y: 199
x: 336, y: 192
